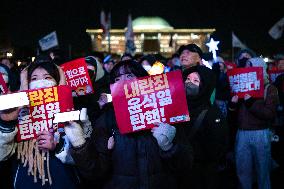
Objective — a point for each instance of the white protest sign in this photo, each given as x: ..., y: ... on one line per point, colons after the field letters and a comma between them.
x: 70, y: 116
x: 13, y: 100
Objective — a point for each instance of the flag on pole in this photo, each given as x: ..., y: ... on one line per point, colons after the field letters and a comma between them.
x: 109, y: 22
x: 106, y: 25
x: 277, y: 29
x: 129, y: 37
x: 236, y: 42
x: 48, y: 41
x: 105, y: 22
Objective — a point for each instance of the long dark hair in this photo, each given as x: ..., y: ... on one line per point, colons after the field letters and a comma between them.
x: 130, y: 66
x: 48, y: 66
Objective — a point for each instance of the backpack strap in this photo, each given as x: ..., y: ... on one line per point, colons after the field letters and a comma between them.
x: 197, y: 123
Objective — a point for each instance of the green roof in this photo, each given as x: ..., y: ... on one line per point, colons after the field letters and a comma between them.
x: 150, y: 23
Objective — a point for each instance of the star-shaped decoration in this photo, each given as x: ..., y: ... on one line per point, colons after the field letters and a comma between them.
x: 212, y: 45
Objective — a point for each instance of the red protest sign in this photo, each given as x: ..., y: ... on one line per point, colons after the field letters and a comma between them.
x: 230, y: 65
x: 77, y: 77
x: 140, y: 102
x: 246, y: 81
x: 3, y: 86
x: 44, y: 103
x: 273, y: 74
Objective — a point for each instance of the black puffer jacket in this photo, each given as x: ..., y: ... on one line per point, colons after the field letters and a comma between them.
x: 209, y: 140
x: 136, y: 160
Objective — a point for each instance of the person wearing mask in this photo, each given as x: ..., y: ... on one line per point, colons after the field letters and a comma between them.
x: 100, y: 82
x: 37, y: 167
x: 242, y: 56
x: 207, y: 130
x: 190, y: 55
x: 145, y: 159
x: 253, y: 141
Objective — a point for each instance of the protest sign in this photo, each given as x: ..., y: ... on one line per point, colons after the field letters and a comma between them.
x: 77, y: 77
x: 44, y: 103
x: 246, y: 81
x: 3, y: 86
x: 13, y: 100
x: 141, y: 102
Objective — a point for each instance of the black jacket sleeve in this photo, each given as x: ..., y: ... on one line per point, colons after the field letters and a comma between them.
x: 93, y: 158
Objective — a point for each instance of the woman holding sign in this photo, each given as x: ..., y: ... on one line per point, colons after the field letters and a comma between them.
x: 37, y: 166
x: 144, y: 159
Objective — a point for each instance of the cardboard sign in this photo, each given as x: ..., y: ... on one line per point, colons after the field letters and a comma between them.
x: 77, y: 77
x: 13, y: 100
x: 44, y: 103
x: 3, y: 86
x: 141, y: 102
x: 246, y: 81
x: 273, y: 74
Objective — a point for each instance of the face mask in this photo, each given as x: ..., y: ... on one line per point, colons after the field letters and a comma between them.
x: 191, y: 89
x: 147, y: 67
x: 42, y: 83
x: 242, y: 62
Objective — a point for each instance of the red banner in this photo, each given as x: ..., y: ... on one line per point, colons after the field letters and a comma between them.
x: 3, y: 86
x: 44, y: 103
x: 77, y: 77
x: 141, y: 102
x: 246, y: 81
x: 272, y: 74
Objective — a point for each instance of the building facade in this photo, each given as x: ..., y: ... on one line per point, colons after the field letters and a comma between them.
x: 151, y: 35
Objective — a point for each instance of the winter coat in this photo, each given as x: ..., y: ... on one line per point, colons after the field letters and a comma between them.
x: 255, y: 114
x: 136, y: 160
x: 63, y: 176
x: 210, y: 140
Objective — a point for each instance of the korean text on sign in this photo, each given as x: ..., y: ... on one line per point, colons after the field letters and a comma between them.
x: 44, y: 103
x: 149, y: 100
x: 246, y: 81
x: 77, y: 76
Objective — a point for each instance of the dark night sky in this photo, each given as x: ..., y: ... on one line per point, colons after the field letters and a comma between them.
x: 24, y: 22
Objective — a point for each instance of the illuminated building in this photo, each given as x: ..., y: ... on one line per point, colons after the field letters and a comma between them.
x: 151, y: 35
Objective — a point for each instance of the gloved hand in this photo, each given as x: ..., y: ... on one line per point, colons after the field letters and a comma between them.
x: 164, y: 134
x: 75, y: 134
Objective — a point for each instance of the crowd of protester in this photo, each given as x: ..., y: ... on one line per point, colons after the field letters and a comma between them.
x: 229, y: 142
